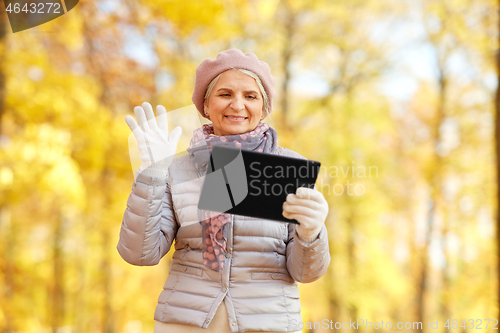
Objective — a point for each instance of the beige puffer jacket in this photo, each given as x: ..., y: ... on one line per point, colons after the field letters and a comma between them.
x: 264, y: 259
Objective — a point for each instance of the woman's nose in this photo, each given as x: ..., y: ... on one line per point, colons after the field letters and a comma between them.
x: 237, y: 103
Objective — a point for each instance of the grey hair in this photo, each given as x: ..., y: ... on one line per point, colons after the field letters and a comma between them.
x: 265, y: 98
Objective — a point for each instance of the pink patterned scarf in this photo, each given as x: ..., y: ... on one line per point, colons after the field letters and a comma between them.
x: 262, y: 139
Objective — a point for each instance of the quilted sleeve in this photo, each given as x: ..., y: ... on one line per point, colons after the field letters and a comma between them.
x: 307, y: 262
x: 149, y: 226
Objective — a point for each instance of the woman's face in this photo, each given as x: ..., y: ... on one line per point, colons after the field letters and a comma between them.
x: 235, y: 104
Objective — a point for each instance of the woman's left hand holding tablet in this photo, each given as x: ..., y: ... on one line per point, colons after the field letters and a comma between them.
x: 310, y: 208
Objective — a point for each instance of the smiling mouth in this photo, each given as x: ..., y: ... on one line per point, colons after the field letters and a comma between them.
x: 235, y: 117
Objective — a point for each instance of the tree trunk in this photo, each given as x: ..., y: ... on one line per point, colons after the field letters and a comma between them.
x: 438, y: 184
x: 3, y: 50
x: 330, y: 275
x: 57, y: 295
x: 435, y: 201
x: 424, y: 266
x: 352, y: 261
x: 286, y: 56
x: 8, y: 243
x: 497, y: 147
x: 108, y: 323
x: 90, y: 31
x: 6, y: 228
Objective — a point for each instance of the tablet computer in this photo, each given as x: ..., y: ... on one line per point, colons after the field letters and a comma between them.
x: 253, y: 184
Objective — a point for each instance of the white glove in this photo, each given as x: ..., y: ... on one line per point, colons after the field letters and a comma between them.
x: 157, y: 148
x: 309, y: 208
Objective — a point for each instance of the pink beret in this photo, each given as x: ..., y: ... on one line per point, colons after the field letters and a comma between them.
x: 225, y: 60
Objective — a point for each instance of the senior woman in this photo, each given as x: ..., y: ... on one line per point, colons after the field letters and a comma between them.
x: 229, y: 273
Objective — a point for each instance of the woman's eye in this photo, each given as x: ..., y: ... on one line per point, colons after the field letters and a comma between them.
x: 252, y: 97
x: 225, y: 95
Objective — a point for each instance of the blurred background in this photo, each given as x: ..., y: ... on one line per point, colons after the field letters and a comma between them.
x: 396, y: 98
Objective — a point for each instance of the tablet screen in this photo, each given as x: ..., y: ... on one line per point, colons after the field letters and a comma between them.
x: 253, y: 184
